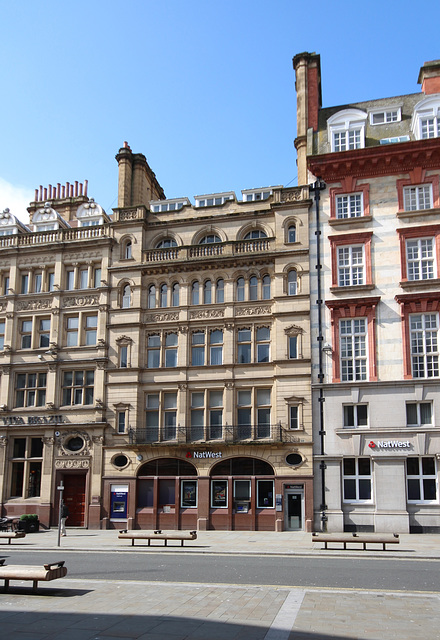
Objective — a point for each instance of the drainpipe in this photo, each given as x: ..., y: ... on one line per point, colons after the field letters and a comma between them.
x: 316, y: 189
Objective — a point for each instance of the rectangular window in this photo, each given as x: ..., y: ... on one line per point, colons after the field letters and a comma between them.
x: 83, y: 278
x: 215, y: 347
x: 96, y: 277
x: 293, y: 417
x: 265, y: 494
x: 70, y: 279
x: 355, y: 415
x: 219, y: 494
x: 188, y: 494
x: 417, y: 198
x: 357, y: 479
x: 51, y: 281
x: 2, y: 334
x: 346, y: 140
x: 244, y: 346
x: 349, y: 206
x: 30, y: 390
x: 293, y: 347
x: 170, y: 416
x: 91, y: 327
x: 121, y: 421
x: 353, y: 349
x: 153, y: 356
x: 198, y: 349
x: 382, y: 117
x: 72, y: 327
x: 26, y: 473
x: 418, y: 414
x: 420, y: 259
x: 263, y: 344
x: 350, y: 266
x: 244, y: 414
x: 152, y: 417
x: 197, y: 415
x: 242, y: 490
x: 429, y: 127
x: 424, y: 345
x: 421, y: 478
x: 38, y: 282
x: 215, y: 415
x: 123, y: 356
x: 24, y: 283
x: 78, y: 387
x: 263, y: 413
x: 44, y: 333
x: 171, y: 350
x: 26, y: 334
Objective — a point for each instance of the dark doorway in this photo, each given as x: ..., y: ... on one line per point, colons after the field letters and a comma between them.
x: 75, y: 499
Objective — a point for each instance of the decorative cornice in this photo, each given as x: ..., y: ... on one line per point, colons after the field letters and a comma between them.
x: 376, y: 161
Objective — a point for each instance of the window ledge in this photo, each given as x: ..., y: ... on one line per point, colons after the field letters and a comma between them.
x: 417, y: 284
x: 357, y: 287
x: 418, y: 213
x: 336, y: 222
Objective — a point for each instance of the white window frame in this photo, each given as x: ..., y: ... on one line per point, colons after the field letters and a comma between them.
x: 349, y: 205
x: 357, y: 477
x: 356, y: 418
x: 417, y: 197
x: 421, y: 477
x: 424, y: 337
x: 348, y: 127
x: 418, y: 407
x: 351, y: 265
x: 420, y: 259
x: 390, y: 115
x: 426, y: 109
x: 353, y: 349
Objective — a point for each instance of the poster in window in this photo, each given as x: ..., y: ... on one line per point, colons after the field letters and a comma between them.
x: 189, y: 494
x: 219, y: 493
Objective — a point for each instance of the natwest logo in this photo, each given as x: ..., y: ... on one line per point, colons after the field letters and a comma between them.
x: 390, y: 444
x: 204, y: 454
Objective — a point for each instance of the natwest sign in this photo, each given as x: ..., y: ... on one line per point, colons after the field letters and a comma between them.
x: 390, y: 444
x: 204, y: 454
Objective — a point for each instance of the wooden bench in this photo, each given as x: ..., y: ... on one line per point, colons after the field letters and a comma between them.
x: 11, y: 535
x: 356, y: 538
x: 47, y: 572
x: 158, y: 535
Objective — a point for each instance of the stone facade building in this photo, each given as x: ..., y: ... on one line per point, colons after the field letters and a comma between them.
x: 376, y: 359
x: 157, y: 361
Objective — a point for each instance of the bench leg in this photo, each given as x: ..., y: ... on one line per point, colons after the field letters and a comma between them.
x: 149, y: 541
x: 365, y: 546
x: 132, y: 542
x: 6, y: 584
x: 34, y: 585
x: 166, y: 541
x: 345, y: 545
x: 181, y: 543
x: 9, y: 540
x: 325, y: 545
x: 383, y: 546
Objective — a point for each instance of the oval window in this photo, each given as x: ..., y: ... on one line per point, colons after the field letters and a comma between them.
x: 120, y: 461
x: 294, y: 459
x: 75, y: 444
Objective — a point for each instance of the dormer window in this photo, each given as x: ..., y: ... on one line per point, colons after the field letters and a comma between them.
x: 47, y: 219
x: 346, y: 130
x: 8, y: 223
x: 214, y: 199
x: 91, y: 214
x: 385, y: 116
x: 255, y: 195
x: 426, y: 118
x: 161, y: 206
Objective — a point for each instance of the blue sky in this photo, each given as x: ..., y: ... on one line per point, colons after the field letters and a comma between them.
x: 203, y: 88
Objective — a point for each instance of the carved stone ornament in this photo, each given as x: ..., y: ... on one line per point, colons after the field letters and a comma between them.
x: 253, y: 311
x: 161, y: 317
x: 69, y: 435
x: 292, y: 195
x: 2, y: 306
x: 49, y: 441
x: 80, y: 301
x: 293, y: 330
x: 229, y: 385
x: 202, y: 314
x: 3, y: 441
x: 123, y: 341
x: 72, y: 464
x: 34, y: 305
x: 98, y: 439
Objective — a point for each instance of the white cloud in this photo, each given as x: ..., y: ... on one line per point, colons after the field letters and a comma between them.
x: 15, y: 198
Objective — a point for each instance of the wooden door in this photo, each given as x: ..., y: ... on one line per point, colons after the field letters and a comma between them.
x: 75, y: 499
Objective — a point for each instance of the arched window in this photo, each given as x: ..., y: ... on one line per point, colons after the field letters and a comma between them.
x: 126, y: 296
x: 210, y: 239
x: 220, y: 290
x: 240, y: 289
x: 207, y: 291
x: 253, y: 288
x: 152, y: 296
x: 195, y: 293
x: 127, y: 250
x: 255, y: 234
x: 292, y: 283
x: 175, y: 295
x: 266, y: 287
x: 163, y: 295
x: 166, y: 243
x: 291, y: 233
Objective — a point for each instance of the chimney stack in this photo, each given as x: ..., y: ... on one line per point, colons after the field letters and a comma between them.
x: 429, y: 77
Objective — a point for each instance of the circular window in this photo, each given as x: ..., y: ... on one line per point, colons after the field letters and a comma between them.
x: 75, y: 444
x: 294, y: 459
x: 120, y: 461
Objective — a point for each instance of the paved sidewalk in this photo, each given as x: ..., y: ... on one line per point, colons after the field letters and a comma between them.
x: 242, y: 542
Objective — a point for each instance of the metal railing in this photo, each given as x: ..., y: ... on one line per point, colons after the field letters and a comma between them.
x: 212, y: 434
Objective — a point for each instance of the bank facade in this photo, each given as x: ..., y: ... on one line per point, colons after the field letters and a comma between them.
x: 156, y: 361
x: 376, y: 168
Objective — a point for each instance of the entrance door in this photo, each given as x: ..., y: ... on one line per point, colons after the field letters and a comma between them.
x: 75, y: 499
x: 294, y: 510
